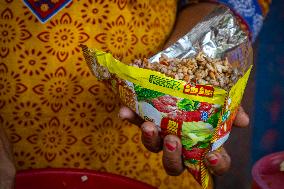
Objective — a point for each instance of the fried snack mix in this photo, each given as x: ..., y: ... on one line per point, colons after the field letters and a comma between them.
x: 192, y: 89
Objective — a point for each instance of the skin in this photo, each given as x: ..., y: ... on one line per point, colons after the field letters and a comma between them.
x: 171, y: 158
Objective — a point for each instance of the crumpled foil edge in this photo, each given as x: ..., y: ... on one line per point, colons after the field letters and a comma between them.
x: 216, y: 35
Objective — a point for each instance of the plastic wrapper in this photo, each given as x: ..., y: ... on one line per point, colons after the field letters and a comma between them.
x: 201, y: 115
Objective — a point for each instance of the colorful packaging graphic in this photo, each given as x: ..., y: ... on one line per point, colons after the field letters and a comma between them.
x: 201, y: 115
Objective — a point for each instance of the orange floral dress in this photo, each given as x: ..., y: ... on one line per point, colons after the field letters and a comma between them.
x: 55, y: 112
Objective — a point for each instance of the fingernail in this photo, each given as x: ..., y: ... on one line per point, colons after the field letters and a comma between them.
x: 147, y: 132
x: 171, y: 145
x: 212, y: 159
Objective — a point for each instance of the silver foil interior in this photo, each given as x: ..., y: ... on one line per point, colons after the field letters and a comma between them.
x: 217, y: 34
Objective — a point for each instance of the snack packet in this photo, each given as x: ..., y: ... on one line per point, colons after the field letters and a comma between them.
x: 192, y: 89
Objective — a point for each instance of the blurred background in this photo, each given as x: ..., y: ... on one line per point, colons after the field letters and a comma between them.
x: 263, y: 100
x: 268, y: 127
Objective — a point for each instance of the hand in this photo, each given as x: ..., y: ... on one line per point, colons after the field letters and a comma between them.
x: 7, y: 168
x: 217, y: 162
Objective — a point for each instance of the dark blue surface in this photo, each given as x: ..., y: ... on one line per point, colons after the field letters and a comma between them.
x: 268, y: 129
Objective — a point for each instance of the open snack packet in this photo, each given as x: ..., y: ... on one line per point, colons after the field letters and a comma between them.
x: 192, y: 89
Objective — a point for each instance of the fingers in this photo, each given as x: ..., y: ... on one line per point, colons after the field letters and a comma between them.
x: 126, y: 113
x: 172, y: 160
x: 150, y: 137
x: 218, y: 162
x: 242, y: 119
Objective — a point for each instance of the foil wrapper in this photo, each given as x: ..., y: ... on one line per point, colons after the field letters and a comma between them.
x: 218, y: 35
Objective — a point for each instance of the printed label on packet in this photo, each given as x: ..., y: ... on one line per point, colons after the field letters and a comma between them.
x: 199, y: 90
x: 165, y: 82
x: 171, y: 127
x: 200, y: 115
x: 229, y: 111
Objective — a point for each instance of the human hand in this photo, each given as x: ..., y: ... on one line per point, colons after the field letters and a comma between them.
x: 7, y: 168
x: 217, y: 162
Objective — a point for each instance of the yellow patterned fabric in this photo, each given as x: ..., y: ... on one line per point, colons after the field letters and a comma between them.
x: 55, y: 112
